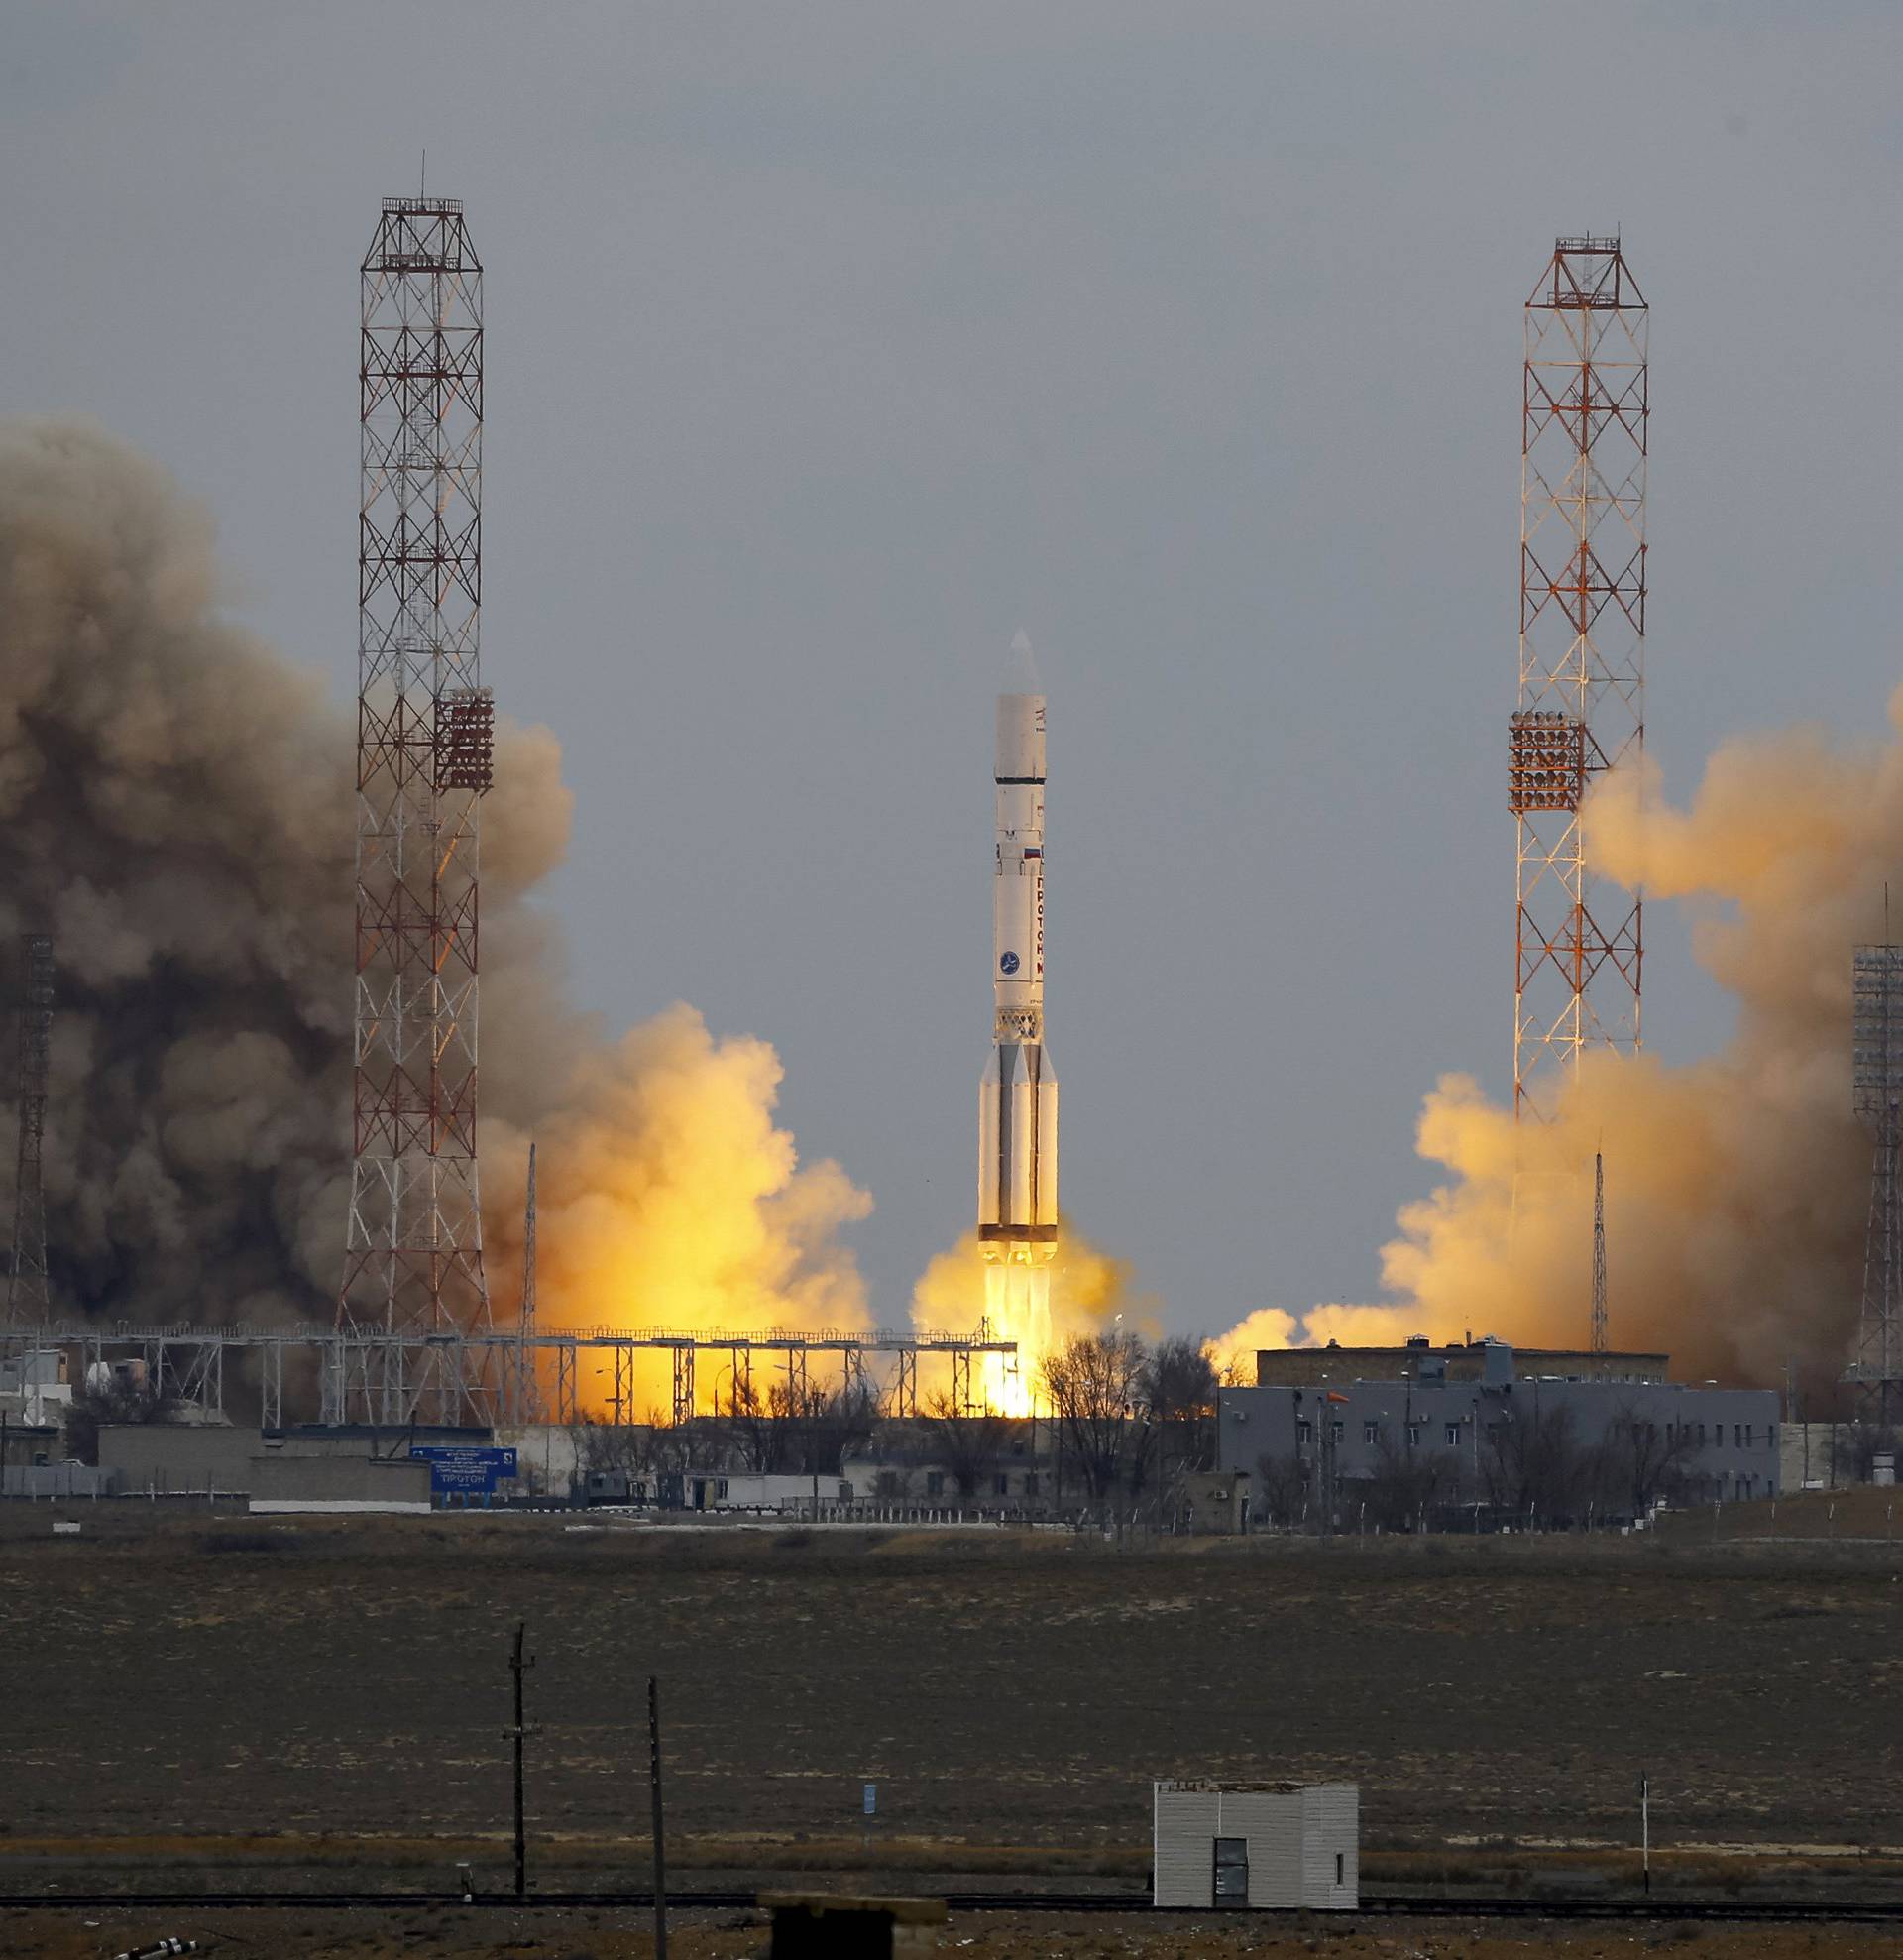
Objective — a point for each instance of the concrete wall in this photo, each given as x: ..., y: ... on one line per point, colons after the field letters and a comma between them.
x: 58, y: 1480
x: 181, y: 1457
x: 167, y: 1457
x: 337, y: 1483
x: 1817, y: 1452
x: 545, y: 1455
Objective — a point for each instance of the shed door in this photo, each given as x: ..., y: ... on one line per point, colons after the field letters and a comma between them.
x: 1232, y: 1870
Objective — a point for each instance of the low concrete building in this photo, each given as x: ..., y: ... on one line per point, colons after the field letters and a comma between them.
x: 1268, y: 1845
x: 1497, y: 1441
x: 1213, y: 1503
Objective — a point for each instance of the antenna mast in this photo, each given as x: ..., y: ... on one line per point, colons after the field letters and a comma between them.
x: 27, y: 1276
x: 1877, y: 987
x: 528, y: 1400
x: 1599, y: 1255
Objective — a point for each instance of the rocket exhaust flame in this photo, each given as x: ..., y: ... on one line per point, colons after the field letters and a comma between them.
x: 1018, y: 1097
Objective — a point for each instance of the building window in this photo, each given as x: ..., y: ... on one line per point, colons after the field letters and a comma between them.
x: 1371, y: 1432
x: 1700, y: 1435
x: 1341, y: 1868
x: 1453, y: 1435
x: 1413, y: 1435
x: 935, y: 1483
x: 1304, y: 1430
x: 1336, y: 1430
x: 1003, y: 1484
x: 1029, y: 1483
x: 1737, y: 1435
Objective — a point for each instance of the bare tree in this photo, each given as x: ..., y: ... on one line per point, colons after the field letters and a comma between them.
x: 969, y: 1440
x: 1095, y: 1384
x: 1409, y: 1485
x: 1281, y: 1488
x: 761, y: 1429
x: 1645, y: 1460
x: 1534, y: 1466
x: 1180, y: 1385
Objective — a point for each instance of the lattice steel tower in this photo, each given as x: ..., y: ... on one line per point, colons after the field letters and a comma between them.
x: 413, y: 1259
x: 1877, y: 1036
x: 1582, y: 657
x: 27, y: 1269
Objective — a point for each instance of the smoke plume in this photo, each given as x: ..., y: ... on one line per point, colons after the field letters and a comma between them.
x: 1737, y: 1186
x: 179, y: 810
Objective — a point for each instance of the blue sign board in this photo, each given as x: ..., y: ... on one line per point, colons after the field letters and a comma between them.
x: 456, y: 1468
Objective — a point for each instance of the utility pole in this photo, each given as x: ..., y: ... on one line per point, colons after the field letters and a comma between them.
x: 526, y: 1394
x: 519, y: 1666
x: 1599, y: 1262
x: 660, y: 1842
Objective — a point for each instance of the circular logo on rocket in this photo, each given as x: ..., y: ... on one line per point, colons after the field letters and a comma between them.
x: 1007, y: 963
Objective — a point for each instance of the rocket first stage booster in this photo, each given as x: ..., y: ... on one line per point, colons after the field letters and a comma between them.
x: 1018, y: 1100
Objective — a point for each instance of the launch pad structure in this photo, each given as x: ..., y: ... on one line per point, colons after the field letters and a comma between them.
x: 1585, y: 409
x: 187, y: 1366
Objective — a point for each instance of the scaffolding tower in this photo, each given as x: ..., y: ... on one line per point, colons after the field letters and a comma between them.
x: 413, y: 1258
x: 26, y: 1296
x: 1877, y: 1041
x: 1582, y: 658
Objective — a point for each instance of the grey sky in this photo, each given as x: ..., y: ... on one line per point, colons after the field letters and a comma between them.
x: 829, y: 344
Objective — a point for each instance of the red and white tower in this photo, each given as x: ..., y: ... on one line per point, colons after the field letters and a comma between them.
x: 413, y: 1264
x: 1581, y: 659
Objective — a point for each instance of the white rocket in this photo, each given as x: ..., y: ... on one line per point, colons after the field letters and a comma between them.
x: 1018, y: 1100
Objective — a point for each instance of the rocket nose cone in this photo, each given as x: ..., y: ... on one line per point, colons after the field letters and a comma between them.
x: 1021, y: 668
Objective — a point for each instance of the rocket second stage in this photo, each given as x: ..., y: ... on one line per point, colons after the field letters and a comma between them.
x: 1018, y: 1100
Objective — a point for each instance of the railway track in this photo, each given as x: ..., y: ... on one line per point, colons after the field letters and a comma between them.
x: 1387, y: 1905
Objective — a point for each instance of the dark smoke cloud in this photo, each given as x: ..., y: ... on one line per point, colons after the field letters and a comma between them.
x: 177, y: 811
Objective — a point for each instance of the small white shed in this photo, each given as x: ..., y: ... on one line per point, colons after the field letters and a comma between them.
x: 1265, y: 1844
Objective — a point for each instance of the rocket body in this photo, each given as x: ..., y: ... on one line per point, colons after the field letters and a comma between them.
x: 1018, y: 1098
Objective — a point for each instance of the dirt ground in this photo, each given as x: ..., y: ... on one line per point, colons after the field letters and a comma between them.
x: 230, y: 1702
x: 986, y: 1936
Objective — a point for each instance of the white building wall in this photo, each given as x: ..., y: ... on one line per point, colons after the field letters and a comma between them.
x: 1294, y: 1836
x: 1181, y: 1851
x: 1330, y: 1831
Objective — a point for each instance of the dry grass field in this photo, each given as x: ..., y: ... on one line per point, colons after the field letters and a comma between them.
x: 234, y: 1703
